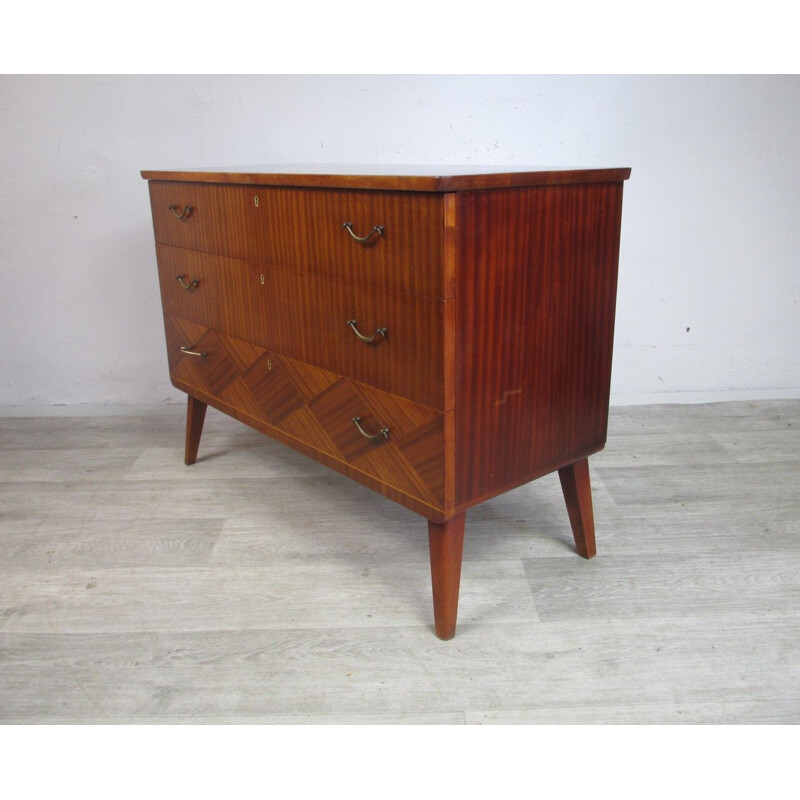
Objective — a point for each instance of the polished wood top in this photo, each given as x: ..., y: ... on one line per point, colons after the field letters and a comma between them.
x: 400, y: 177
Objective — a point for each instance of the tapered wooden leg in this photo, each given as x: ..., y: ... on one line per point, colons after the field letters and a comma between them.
x: 195, y: 417
x: 578, y: 493
x: 446, y: 541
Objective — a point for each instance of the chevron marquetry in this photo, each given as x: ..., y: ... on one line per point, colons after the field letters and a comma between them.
x: 317, y: 407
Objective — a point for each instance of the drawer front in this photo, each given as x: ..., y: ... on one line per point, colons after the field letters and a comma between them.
x: 304, y: 229
x: 396, y: 441
x: 390, y: 340
x: 207, y: 217
x: 219, y: 293
x: 403, y: 232
x: 306, y: 316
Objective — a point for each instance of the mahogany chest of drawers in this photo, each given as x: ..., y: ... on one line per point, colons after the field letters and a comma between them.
x: 440, y: 336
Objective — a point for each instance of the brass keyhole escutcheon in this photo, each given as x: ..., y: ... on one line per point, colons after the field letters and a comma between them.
x: 269, y: 364
x: 255, y: 200
x: 262, y: 279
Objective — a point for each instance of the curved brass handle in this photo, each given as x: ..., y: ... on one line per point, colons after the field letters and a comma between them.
x: 187, y: 286
x: 185, y: 214
x: 382, y: 432
x: 378, y: 229
x: 380, y: 332
x: 190, y: 352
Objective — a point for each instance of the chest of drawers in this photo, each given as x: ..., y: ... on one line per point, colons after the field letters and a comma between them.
x: 440, y: 336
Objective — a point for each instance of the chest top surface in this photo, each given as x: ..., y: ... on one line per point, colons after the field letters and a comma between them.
x: 397, y: 177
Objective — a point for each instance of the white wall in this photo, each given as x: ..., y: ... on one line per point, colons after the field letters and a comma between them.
x: 708, y: 296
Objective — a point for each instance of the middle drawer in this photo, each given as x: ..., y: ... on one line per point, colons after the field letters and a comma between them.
x: 390, y: 340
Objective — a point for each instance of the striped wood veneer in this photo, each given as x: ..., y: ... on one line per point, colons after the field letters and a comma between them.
x: 489, y: 297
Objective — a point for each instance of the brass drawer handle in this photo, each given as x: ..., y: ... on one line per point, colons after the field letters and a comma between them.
x: 380, y: 332
x: 190, y: 352
x: 382, y: 432
x: 378, y: 229
x: 187, y: 286
x: 185, y: 214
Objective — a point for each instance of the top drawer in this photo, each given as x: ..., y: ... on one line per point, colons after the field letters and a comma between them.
x: 311, y: 229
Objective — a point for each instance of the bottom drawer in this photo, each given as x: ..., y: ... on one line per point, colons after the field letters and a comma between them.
x: 394, y: 440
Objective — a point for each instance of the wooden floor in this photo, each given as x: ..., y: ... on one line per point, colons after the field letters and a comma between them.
x: 256, y: 586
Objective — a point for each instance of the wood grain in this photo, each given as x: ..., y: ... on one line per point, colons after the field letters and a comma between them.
x: 305, y: 316
x: 222, y: 218
x: 536, y: 296
x: 302, y: 229
x: 392, y: 177
x: 315, y: 407
x: 195, y: 416
x: 308, y: 318
x: 577, y: 489
x: 226, y: 295
x: 446, y: 541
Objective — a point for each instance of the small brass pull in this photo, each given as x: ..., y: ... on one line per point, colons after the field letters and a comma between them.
x: 185, y: 214
x: 377, y: 230
x: 380, y: 332
x: 190, y: 352
x: 382, y: 432
x: 187, y: 286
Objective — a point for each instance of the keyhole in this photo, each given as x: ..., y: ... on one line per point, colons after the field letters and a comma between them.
x: 262, y: 279
x: 269, y: 364
x: 255, y: 200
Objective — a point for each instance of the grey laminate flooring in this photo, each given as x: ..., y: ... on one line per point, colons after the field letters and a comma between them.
x: 257, y: 586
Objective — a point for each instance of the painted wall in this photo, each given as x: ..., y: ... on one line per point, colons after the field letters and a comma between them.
x: 708, y: 296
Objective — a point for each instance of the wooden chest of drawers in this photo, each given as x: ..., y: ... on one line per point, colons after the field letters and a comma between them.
x: 439, y: 336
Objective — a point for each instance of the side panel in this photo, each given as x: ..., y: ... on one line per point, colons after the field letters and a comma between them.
x: 536, y: 293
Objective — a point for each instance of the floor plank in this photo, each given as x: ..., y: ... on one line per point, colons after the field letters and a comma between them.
x: 136, y: 590
x: 752, y: 712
